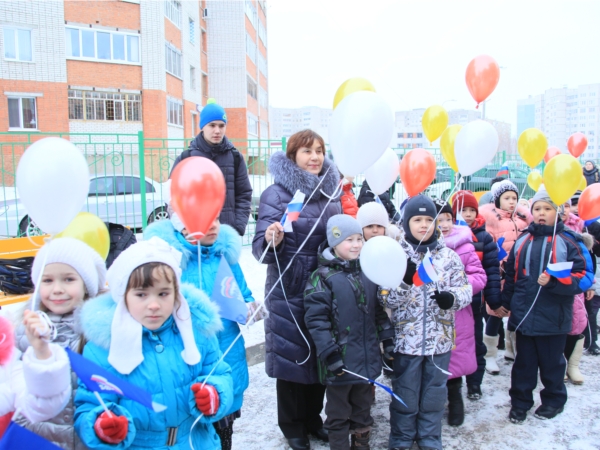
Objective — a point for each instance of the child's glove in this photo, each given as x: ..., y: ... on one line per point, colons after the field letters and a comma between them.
x: 444, y: 299
x: 411, y: 269
x: 111, y: 429
x: 388, y: 349
x: 207, y: 398
x: 335, y: 364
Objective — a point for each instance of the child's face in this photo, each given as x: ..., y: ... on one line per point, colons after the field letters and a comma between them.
x: 469, y: 214
x: 62, y: 289
x: 575, y: 209
x: 445, y: 223
x: 508, y: 201
x: 372, y: 231
x: 543, y: 213
x: 212, y: 234
x: 566, y: 211
x: 421, y: 227
x: 349, y: 248
x: 153, y: 305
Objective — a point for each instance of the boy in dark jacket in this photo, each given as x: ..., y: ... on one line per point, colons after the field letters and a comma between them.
x: 541, y: 308
x: 346, y: 322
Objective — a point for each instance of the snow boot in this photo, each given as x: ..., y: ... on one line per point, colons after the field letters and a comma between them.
x: 545, y: 412
x: 474, y: 391
x: 573, y: 365
x: 491, y: 366
x: 456, y: 407
x: 360, y: 441
x: 517, y: 415
x: 511, y: 346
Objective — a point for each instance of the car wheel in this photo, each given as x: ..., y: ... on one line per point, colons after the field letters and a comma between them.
x: 27, y: 227
x: 158, y: 214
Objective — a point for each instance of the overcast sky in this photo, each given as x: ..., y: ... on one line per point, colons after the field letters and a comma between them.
x: 416, y: 52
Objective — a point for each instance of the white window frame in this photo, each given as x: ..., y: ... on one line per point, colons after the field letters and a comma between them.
x: 264, y: 126
x: 192, y: 30
x: 251, y: 48
x: 173, y: 12
x: 124, y: 102
x: 263, y: 98
x: 111, y: 33
x: 175, y: 103
x: 15, y: 28
x: 262, y: 33
x: 251, y: 13
x: 176, y: 51
x: 20, y: 98
x: 262, y: 64
x: 252, y: 117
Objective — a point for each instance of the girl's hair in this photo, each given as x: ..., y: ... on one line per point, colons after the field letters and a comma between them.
x: 147, y: 274
x: 304, y: 138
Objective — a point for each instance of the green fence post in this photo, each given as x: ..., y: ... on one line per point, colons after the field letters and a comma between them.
x: 284, y: 144
x: 142, y: 178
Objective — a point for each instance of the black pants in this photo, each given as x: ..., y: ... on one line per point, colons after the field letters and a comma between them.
x: 299, y: 408
x: 476, y: 377
x: 348, y: 407
x: 591, y: 331
x: 546, y: 354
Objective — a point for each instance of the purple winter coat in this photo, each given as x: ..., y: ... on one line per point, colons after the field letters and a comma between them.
x: 463, y: 360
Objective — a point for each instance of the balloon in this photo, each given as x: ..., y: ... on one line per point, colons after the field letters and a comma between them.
x: 53, y: 180
x: 562, y: 176
x: 434, y: 121
x: 577, y: 144
x: 589, y: 202
x: 582, y: 184
x: 383, y: 173
x: 482, y: 77
x: 534, y: 180
x: 90, y: 229
x: 361, y: 129
x: 349, y: 87
x: 447, y: 145
x: 532, y: 145
x: 551, y: 153
x: 417, y: 171
x: 475, y: 146
x: 197, y: 193
x: 383, y: 261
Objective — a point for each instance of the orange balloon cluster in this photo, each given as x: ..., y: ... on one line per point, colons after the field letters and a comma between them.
x: 417, y: 171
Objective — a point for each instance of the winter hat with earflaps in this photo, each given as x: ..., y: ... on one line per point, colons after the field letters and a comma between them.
x: 500, y: 188
x: 125, y: 329
x: 542, y: 196
x: 372, y: 213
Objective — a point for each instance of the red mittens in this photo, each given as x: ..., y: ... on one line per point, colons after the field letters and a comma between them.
x: 111, y: 429
x: 207, y: 398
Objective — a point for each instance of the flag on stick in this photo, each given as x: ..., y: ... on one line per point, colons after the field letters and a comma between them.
x: 293, y: 211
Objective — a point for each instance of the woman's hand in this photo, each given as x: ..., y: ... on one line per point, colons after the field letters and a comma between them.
x: 274, y: 231
x: 34, y: 328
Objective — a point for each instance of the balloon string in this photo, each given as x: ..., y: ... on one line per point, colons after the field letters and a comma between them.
x: 36, y: 288
x: 317, y: 187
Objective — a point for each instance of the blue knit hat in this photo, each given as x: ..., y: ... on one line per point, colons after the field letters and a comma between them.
x: 210, y: 113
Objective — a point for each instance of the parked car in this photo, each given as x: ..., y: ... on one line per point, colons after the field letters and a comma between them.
x: 480, y: 180
x: 113, y: 198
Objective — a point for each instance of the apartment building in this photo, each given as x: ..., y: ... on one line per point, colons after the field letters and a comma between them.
x: 287, y: 121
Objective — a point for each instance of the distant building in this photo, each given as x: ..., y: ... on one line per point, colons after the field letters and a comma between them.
x: 287, y: 121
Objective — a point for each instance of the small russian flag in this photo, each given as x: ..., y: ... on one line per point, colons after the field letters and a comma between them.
x: 561, y: 271
x: 426, y: 273
x: 587, y: 223
x: 501, y: 252
x: 460, y: 220
x: 503, y: 172
x: 293, y: 211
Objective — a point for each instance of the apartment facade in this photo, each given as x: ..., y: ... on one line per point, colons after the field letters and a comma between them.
x: 287, y: 121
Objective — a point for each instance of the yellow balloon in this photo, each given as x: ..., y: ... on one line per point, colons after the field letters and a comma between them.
x: 90, y: 229
x: 532, y: 146
x: 534, y: 180
x: 349, y: 87
x: 582, y: 184
x: 562, y: 177
x: 447, y: 145
x: 434, y: 121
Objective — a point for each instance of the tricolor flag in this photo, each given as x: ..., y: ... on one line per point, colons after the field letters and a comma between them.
x: 503, y: 172
x: 501, y: 252
x: 426, y: 273
x: 587, y: 223
x: 227, y: 294
x: 16, y: 437
x: 293, y: 211
x: 561, y: 271
x: 460, y: 220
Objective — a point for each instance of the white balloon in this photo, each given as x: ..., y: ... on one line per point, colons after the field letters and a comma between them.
x: 475, y: 146
x: 383, y: 173
x: 362, y: 126
x: 53, y: 181
x: 383, y: 261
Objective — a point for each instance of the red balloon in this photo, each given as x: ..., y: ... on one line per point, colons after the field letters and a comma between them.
x: 482, y: 76
x: 551, y: 153
x: 577, y: 144
x: 417, y: 171
x: 197, y: 193
x: 589, y: 202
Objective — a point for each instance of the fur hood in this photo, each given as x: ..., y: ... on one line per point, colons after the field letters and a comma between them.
x: 588, y: 240
x: 292, y: 178
x: 459, y: 236
x: 97, y: 315
x: 229, y: 242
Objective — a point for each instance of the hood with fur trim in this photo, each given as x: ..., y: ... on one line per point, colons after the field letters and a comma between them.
x: 97, y: 315
x: 292, y: 178
x: 459, y: 236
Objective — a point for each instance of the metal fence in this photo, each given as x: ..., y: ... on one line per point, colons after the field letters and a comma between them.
x: 128, y: 174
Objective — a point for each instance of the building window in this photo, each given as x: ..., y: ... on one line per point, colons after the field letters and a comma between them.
x: 173, y: 12
x: 192, y: 32
x: 96, y: 45
x: 251, y: 13
x: 17, y: 44
x: 251, y: 87
x: 262, y: 33
x: 193, y: 77
x: 172, y: 60
x: 174, y: 112
x: 203, y: 43
x: 94, y: 105
x: 251, y: 48
x: 263, y: 98
x: 22, y: 113
x: 264, y: 130
x: 205, y: 86
x: 262, y: 64
x: 252, y: 125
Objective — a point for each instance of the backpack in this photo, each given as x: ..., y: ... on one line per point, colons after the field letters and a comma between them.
x: 120, y: 239
x: 15, y: 276
x: 237, y: 157
x: 588, y: 280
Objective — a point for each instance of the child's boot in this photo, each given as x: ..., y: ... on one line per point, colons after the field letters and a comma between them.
x: 456, y: 407
x: 491, y: 343
x: 360, y: 441
x: 511, y: 345
x: 573, y: 366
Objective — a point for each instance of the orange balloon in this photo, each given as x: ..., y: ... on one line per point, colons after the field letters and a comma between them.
x: 197, y: 193
x: 577, y: 144
x: 589, y: 202
x: 551, y: 153
x: 482, y: 76
x: 417, y: 171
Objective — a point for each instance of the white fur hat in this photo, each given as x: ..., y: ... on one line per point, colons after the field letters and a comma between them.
x: 125, y: 358
x: 372, y: 213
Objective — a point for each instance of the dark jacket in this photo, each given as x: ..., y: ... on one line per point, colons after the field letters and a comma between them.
x: 366, y: 196
x: 487, y: 251
x: 594, y: 229
x: 344, y: 315
x: 238, y: 197
x: 591, y: 176
x: 553, y: 310
x: 285, y: 346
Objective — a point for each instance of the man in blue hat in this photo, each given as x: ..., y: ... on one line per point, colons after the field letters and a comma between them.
x: 212, y: 143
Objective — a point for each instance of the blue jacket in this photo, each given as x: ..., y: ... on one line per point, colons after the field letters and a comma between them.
x: 229, y: 245
x: 163, y: 373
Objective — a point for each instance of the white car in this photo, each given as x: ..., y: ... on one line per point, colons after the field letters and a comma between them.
x: 113, y: 198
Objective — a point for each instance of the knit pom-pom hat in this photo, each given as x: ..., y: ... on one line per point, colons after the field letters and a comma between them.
x: 500, y: 188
